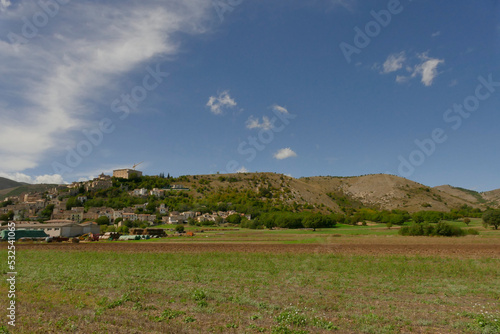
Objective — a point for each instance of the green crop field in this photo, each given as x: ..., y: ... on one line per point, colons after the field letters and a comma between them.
x: 85, y: 289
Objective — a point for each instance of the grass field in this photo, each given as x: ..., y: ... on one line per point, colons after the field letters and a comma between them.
x: 251, y: 281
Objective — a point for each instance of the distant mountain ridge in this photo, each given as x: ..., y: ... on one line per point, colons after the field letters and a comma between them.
x: 7, y: 183
x: 13, y: 188
x: 329, y: 193
x: 323, y: 193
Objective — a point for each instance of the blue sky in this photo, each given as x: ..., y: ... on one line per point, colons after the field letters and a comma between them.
x: 304, y: 88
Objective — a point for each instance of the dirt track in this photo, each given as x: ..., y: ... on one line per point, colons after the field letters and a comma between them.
x: 362, y: 248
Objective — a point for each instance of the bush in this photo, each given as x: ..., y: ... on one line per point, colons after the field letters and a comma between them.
x: 472, y: 231
x: 441, y: 229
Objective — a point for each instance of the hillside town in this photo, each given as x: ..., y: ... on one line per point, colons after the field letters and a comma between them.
x: 27, y: 209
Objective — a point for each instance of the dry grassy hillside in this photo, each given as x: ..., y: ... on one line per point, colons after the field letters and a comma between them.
x: 379, y: 191
x: 493, y: 196
x: 390, y: 192
x: 284, y: 188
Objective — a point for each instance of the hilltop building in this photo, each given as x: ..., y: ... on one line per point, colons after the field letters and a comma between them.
x: 126, y: 173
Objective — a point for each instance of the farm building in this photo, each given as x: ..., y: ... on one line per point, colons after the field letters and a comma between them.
x: 59, y: 228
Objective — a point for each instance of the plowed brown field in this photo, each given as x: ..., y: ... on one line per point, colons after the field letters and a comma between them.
x: 361, y: 247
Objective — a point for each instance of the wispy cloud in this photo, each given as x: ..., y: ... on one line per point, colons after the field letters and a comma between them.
x: 21, y: 177
x: 402, y: 79
x: 285, y: 153
x: 4, y: 4
x: 254, y: 123
x: 280, y: 109
x: 52, y: 85
x: 427, y: 69
x: 217, y: 104
x: 436, y: 34
x: 394, y: 62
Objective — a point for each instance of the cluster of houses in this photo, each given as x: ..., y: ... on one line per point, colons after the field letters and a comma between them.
x: 27, y: 207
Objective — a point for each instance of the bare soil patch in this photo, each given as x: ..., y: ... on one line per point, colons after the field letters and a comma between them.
x: 376, y: 247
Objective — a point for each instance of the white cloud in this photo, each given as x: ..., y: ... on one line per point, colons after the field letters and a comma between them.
x: 402, y: 79
x: 21, y: 177
x: 218, y: 103
x: 254, y: 123
x: 4, y: 4
x: 55, y: 179
x: 280, y: 109
x: 427, y: 69
x: 394, y: 62
x: 242, y: 170
x: 436, y: 34
x: 285, y: 153
x: 55, y: 82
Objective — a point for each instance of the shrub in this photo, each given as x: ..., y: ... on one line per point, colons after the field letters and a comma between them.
x: 472, y: 231
x: 425, y: 229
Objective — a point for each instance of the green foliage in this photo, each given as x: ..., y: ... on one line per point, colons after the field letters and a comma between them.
x: 465, y: 211
x: 168, y: 314
x: 200, y: 297
x: 123, y: 229
x: 439, y: 229
x: 296, y: 220
x: 47, y: 212
x: 103, y: 220
x: 428, y: 216
x: 292, y: 317
x: 73, y: 202
x: 7, y: 216
x: 234, y: 219
x: 6, y: 203
x: 492, y: 218
x: 179, y: 228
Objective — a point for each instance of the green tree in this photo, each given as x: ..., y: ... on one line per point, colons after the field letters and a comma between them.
x: 179, y: 228
x: 123, y: 229
x: 312, y: 221
x: 73, y: 202
x: 492, y: 218
x: 47, y: 212
x: 7, y: 216
x: 103, y: 220
x: 234, y: 219
x: 467, y: 221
